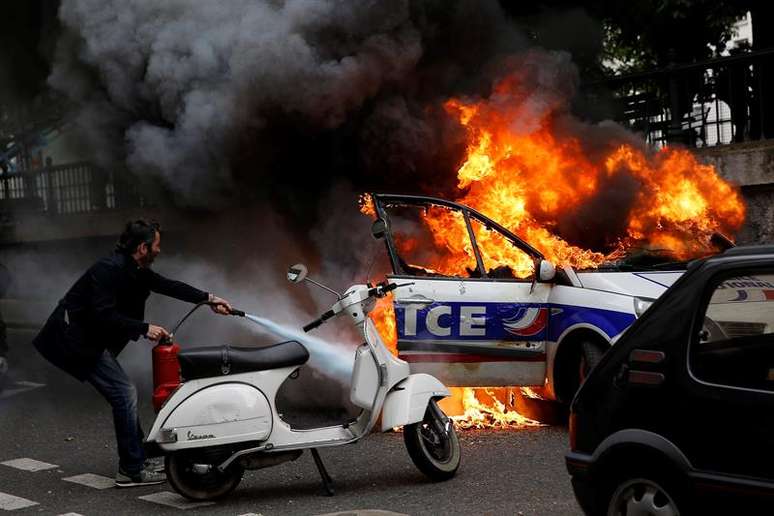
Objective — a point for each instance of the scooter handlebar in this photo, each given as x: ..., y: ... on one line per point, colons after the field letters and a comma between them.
x: 317, y: 322
x: 378, y: 291
x: 383, y: 288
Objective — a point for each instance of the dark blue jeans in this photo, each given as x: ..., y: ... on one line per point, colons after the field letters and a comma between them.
x: 115, y: 386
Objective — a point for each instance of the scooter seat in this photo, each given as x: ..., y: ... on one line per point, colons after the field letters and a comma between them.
x: 212, y: 361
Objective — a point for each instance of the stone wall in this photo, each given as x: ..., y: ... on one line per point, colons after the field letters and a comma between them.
x: 750, y: 165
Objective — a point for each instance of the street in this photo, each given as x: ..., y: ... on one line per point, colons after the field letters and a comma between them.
x: 67, y: 428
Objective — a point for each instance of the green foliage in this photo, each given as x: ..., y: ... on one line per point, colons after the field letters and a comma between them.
x: 646, y: 34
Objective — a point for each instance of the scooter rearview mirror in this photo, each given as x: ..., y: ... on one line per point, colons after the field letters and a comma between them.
x: 297, y: 273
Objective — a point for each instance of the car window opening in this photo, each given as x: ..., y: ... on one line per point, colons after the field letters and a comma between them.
x: 736, y: 344
x: 434, y: 241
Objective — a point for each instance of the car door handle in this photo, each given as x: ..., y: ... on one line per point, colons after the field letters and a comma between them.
x: 415, y: 301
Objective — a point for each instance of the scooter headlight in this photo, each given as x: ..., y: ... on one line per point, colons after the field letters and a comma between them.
x: 641, y: 304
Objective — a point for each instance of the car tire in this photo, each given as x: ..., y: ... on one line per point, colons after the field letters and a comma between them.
x: 645, y: 491
x: 591, y: 354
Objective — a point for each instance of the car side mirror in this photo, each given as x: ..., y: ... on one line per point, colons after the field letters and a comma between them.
x: 546, y: 271
x: 297, y: 273
x: 379, y: 229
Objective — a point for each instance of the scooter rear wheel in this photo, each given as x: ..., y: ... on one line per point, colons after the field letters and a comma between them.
x: 435, y: 453
x: 195, y: 476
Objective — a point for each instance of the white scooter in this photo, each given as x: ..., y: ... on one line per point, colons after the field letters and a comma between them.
x: 222, y: 419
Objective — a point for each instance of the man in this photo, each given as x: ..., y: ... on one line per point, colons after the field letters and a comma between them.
x: 100, y: 313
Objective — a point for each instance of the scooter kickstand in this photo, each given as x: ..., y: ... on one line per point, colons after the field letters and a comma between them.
x: 326, y: 478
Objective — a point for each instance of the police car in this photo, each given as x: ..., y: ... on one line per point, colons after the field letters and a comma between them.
x: 489, y: 327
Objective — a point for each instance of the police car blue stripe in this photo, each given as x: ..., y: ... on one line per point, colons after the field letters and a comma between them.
x: 454, y: 321
x: 610, y: 322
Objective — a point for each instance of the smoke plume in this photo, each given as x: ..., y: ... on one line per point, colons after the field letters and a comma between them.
x: 175, y: 82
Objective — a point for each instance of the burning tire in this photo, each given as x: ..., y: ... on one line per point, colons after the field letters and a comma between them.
x: 194, y: 476
x: 434, y: 449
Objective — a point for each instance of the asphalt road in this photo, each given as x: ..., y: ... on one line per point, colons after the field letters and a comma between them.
x: 66, y: 425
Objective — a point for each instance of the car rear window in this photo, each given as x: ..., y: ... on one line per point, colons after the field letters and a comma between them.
x: 736, y: 344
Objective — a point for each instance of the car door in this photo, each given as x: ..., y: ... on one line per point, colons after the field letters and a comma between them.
x: 730, y: 388
x: 473, y: 314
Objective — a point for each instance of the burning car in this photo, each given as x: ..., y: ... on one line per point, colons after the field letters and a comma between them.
x: 476, y: 322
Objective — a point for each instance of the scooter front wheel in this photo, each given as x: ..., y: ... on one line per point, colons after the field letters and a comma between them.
x: 194, y: 476
x: 433, y: 445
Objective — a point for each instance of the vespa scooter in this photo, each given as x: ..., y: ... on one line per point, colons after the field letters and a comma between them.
x: 222, y: 419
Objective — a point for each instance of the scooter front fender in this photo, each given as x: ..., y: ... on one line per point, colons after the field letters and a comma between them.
x: 407, y: 401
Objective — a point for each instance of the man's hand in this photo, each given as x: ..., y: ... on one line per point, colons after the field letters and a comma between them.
x: 219, y: 305
x: 156, y: 332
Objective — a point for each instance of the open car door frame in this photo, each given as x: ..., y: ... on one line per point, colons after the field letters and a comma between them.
x: 469, y: 331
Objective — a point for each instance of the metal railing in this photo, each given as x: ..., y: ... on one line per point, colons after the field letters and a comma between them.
x: 66, y: 189
x: 719, y: 101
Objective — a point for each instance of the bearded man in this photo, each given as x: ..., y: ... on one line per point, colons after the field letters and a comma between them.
x: 98, y: 316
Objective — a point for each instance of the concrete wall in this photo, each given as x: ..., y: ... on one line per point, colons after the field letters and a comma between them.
x: 750, y: 165
x: 29, y: 228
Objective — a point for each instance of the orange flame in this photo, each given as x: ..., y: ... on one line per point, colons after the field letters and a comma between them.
x: 526, y: 180
x: 526, y: 177
x: 484, y: 408
x: 383, y: 315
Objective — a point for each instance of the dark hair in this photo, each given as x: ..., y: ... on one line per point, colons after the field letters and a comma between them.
x: 135, y: 233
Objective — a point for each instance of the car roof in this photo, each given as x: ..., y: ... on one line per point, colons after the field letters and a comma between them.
x: 749, y: 250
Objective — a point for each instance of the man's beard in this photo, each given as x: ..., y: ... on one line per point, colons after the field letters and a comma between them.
x: 147, y: 260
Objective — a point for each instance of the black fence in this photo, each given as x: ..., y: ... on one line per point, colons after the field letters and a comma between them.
x: 66, y: 189
x: 721, y: 101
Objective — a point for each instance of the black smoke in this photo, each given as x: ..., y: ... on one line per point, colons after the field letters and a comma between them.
x: 252, y: 102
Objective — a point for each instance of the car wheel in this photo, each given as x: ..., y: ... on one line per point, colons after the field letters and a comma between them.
x: 591, y: 354
x: 643, y: 495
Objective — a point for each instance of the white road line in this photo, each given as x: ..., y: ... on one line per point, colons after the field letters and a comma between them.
x: 71, y: 514
x: 364, y: 512
x: 91, y: 480
x: 251, y: 514
x: 18, y: 388
x: 28, y: 464
x: 11, y: 502
x: 173, y: 500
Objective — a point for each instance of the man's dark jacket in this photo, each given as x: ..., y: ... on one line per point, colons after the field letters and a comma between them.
x: 104, y: 310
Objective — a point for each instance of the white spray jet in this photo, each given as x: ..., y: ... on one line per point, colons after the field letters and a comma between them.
x: 223, y: 418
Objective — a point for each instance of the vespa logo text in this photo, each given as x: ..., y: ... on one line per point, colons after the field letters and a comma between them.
x: 195, y: 437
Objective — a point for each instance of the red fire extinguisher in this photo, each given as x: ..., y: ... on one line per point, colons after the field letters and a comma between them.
x: 166, y: 371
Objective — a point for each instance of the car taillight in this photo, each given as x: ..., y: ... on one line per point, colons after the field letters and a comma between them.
x: 573, y: 429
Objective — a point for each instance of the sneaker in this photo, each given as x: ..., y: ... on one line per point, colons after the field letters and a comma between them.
x: 155, y: 464
x: 146, y: 477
